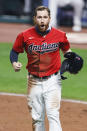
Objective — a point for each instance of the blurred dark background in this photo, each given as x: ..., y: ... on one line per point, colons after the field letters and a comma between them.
x: 13, y: 11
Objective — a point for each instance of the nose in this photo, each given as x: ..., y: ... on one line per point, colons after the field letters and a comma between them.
x: 42, y: 19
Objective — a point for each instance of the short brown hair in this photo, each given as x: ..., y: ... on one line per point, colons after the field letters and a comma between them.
x: 41, y: 8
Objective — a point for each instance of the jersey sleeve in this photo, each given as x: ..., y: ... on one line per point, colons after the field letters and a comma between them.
x: 18, y: 44
x: 64, y: 45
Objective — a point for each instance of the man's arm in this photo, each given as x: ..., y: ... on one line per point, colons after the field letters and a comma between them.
x: 14, y: 60
x: 64, y: 52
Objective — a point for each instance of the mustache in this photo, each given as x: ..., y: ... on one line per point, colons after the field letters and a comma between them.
x: 42, y: 25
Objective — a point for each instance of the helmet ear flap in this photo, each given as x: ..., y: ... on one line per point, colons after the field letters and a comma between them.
x: 65, y: 66
x: 70, y: 55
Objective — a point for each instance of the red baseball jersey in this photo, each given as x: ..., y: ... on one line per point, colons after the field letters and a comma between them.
x: 42, y: 51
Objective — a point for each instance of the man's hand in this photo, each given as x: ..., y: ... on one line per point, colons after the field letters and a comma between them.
x: 17, y: 66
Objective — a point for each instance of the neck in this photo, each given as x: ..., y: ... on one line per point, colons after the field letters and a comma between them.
x: 43, y: 33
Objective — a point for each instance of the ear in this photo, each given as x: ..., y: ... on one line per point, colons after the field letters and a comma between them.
x: 34, y: 19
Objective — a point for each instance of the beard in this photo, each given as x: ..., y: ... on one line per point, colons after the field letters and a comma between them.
x: 43, y: 27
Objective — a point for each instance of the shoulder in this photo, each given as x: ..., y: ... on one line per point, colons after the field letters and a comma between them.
x: 30, y: 30
x: 58, y: 31
x: 27, y: 32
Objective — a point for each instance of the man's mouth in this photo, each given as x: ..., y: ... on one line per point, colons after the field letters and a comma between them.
x: 42, y: 26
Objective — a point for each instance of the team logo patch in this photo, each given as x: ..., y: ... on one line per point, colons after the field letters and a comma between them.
x: 43, y: 48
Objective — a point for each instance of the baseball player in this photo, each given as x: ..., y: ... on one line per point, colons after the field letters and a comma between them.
x: 42, y: 44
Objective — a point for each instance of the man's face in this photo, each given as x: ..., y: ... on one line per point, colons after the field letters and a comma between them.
x: 42, y: 20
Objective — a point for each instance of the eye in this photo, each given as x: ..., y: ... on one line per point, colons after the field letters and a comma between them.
x: 45, y: 17
x: 39, y: 17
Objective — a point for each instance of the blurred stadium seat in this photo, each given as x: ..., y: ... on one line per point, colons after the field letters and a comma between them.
x: 13, y: 11
x: 65, y: 15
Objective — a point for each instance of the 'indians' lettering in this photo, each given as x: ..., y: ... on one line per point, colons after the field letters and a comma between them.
x: 43, y: 48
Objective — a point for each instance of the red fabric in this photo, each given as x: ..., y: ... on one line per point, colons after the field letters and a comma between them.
x: 42, y: 52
